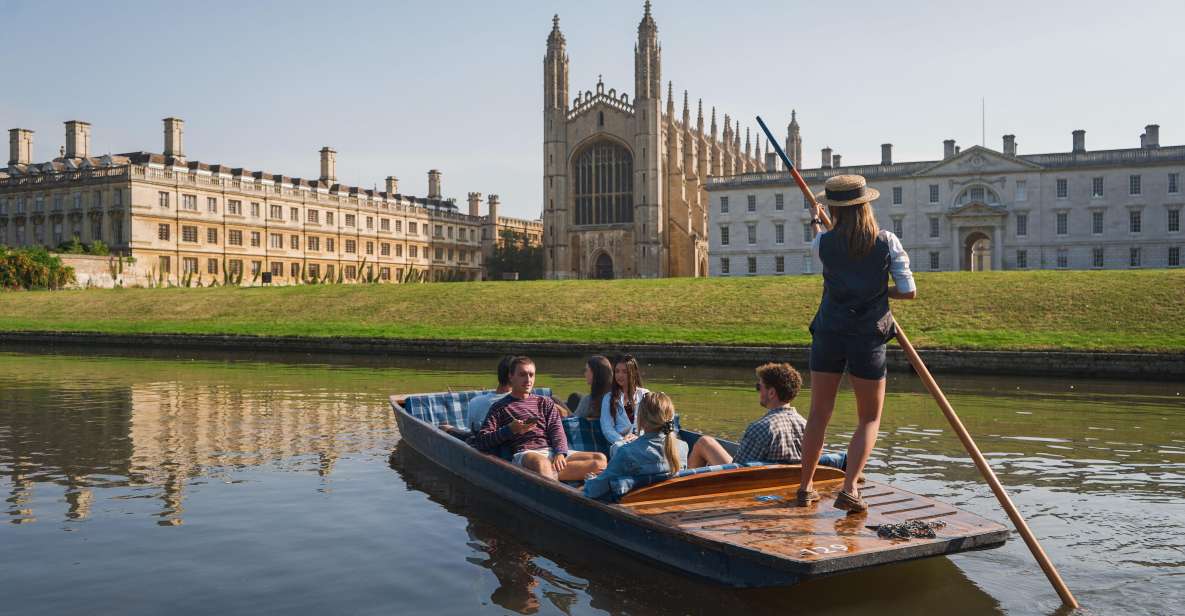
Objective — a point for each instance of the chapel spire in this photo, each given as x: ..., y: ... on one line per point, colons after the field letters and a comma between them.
x: 555, y: 69
x: 647, y: 58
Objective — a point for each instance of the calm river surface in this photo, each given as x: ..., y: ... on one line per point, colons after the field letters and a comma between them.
x: 188, y: 483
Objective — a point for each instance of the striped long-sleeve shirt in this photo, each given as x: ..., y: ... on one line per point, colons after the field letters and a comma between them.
x: 547, y: 431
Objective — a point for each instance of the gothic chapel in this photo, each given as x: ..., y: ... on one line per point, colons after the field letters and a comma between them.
x: 623, y: 179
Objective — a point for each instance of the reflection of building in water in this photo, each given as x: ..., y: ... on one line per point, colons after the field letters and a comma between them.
x: 60, y: 435
x: 180, y: 431
x: 163, y: 434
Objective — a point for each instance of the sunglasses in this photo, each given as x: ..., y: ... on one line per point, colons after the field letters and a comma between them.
x: 757, y: 386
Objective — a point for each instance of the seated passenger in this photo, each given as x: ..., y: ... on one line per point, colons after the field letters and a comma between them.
x: 529, y: 426
x: 598, y: 374
x: 619, y: 408
x: 479, y: 406
x: 657, y: 450
x: 776, y: 437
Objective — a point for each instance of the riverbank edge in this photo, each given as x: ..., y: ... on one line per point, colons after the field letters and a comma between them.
x: 1142, y: 366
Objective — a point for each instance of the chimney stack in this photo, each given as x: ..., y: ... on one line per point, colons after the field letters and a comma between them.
x: 948, y: 149
x: 174, y: 137
x: 475, y: 204
x: 1153, y: 136
x: 886, y: 153
x: 78, y: 139
x: 392, y: 185
x: 835, y: 161
x: 771, y: 162
x: 328, y: 165
x: 494, y: 209
x: 1079, y: 140
x: 826, y: 158
x: 433, y: 184
x: 20, y: 146
x: 1010, y: 145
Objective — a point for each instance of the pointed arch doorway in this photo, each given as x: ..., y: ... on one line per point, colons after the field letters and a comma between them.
x: 603, y: 267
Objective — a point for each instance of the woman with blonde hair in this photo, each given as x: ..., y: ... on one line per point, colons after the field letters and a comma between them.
x: 657, y: 450
x: 851, y: 327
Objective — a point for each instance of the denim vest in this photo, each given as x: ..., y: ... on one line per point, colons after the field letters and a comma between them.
x: 855, y: 291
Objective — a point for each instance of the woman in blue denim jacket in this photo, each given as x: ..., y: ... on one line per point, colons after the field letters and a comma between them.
x: 657, y: 450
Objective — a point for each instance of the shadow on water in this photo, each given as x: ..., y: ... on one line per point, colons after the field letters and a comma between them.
x: 538, y: 564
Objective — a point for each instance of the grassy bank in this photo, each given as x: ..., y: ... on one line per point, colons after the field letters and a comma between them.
x: 1091, y: 310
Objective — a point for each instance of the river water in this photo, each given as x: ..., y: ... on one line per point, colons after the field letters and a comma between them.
x: 188, y: 483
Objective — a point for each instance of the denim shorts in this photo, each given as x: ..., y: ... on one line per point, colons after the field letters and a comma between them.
x: 863, y: 355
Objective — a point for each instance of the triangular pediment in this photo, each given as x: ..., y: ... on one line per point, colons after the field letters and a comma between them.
x: 978, y: 159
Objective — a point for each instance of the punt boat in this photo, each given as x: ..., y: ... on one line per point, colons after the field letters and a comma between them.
x: 735, y: 526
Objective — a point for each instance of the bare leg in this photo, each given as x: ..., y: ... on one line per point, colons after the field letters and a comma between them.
x: 824, y: 386
x: 539, y: 464
x: 707, y: 452
x: 581, y: 463
x: 870, y: 399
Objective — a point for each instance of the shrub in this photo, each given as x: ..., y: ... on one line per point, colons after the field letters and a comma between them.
x: 33, y: 268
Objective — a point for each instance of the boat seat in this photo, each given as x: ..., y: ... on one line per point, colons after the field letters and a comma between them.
x: 620, y: 486
x: 448, y: 407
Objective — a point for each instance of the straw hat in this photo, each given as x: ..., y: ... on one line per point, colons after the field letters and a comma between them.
x: 843, y: 190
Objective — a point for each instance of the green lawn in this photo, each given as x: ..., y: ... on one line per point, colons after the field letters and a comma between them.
x: 1089, y: 310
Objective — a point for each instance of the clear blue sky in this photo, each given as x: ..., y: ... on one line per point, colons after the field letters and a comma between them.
x: 399, y: 88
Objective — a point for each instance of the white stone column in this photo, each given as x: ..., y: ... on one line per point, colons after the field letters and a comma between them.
x: 998, y: 247
x: 957, y: 253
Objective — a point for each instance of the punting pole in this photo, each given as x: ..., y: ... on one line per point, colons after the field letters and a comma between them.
x: 924, y: 373
x: 981, y: 463
x: 817, y: 211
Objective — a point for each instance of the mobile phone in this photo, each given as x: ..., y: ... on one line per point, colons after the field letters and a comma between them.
x: 530, y: 421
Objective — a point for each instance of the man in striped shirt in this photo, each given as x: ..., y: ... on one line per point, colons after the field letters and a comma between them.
x: 529, y: 427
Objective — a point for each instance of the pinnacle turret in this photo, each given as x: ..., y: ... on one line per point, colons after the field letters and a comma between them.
x: 647, y: 59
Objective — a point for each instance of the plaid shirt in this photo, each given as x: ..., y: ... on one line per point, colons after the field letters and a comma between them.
x: 775, y: 438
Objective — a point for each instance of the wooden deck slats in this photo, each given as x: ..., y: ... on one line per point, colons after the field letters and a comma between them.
x: 808, y: 534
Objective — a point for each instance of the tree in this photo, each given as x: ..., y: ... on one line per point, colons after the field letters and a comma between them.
x: 513, y: 253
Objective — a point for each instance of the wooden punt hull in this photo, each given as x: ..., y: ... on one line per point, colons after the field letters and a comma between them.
x: 714, y: 526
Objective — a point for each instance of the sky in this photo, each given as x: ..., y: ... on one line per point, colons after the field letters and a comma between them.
x: 398, y: 88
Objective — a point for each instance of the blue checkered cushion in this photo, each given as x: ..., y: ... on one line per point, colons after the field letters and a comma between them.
x: 620, y: 486
x: 718, y: 467
x: 585, y: 435
x: 448, y: 407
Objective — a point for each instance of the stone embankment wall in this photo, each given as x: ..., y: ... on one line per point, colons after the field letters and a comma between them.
x: 1139, y: 366
x: 105, y: 272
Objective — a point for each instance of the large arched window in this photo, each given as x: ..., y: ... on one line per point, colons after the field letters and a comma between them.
x: 977, y: 194
x: 603, y: 176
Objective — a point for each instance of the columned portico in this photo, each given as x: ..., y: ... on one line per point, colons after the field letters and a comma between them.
x: 972, y: 223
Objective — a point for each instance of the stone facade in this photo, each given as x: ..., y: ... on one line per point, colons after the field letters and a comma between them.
x: 177, y: 217
x: 975, y: 209
x: 623, y: 179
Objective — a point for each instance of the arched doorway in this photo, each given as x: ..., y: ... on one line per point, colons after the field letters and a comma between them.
x: 977, y: 252
x: 703, y: 268
x: 603, y: 269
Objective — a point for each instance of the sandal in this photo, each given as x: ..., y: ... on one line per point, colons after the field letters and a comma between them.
x: 849, y: 503
x: 806, y: 497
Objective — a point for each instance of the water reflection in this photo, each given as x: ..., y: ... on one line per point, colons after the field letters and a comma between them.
x: 90, y: 424
x: 105, y: 448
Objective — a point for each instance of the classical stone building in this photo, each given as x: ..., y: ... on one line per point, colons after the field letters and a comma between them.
x: 178, y: 217
x: 623, y: 179
x: 974, y: 209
